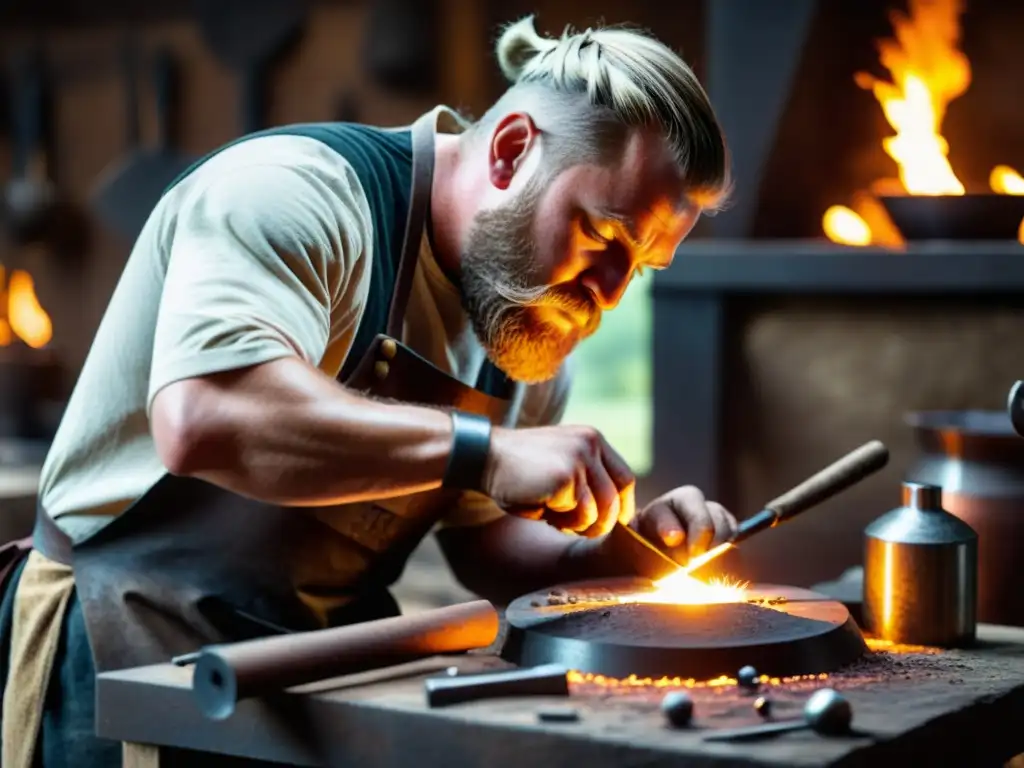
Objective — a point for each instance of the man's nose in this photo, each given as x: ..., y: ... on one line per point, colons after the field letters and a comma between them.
x: 607, y: 283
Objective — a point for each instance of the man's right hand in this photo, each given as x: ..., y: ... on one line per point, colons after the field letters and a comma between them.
x: 568, y: 476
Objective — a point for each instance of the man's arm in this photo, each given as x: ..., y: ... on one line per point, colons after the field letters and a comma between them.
x: 499, y: 556
x: 284, y: 432
x: 266, y: 272
x: 510, y: 556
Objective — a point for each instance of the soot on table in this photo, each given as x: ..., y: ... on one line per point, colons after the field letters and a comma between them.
x: 682, y: 625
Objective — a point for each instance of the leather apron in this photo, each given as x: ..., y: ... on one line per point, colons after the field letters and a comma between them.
x: 190, y: 563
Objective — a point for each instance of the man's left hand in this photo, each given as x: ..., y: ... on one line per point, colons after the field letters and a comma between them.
x: 684, y: 523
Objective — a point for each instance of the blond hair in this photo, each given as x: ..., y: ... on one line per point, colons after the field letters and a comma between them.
x: 586, y: 87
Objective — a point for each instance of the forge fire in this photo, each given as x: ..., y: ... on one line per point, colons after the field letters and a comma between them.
x: 22, y: 317
x: 927, y: 71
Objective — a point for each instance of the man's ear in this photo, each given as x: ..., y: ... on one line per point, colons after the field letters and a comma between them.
x: 512, y: 139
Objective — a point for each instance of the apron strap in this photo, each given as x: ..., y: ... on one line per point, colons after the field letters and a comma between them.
x: 48, y: 538
x: 419, y: 209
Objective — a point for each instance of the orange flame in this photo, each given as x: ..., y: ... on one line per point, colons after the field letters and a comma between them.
x: 721, y: 682
x: 846, y: 226
x: 927, y: 71
x: 21, y: 315
x: 1004, y: 180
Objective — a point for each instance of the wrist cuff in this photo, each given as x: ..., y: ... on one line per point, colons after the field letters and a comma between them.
x: 471, y: 445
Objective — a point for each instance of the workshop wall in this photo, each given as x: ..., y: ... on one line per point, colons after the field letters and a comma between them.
x: 89, y: 115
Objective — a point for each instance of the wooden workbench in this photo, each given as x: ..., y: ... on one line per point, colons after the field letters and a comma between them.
x: 955, y: 708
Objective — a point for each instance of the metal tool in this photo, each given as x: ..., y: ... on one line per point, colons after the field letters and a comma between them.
x: 837, y: 477
x: 399, y: 50
x: 30, y: 198
x: 249, y: 36
x: 826, y: 712
x: 545, y: 680
x: 624, y: 545
x: 126, y: 193
x: 921, y: 573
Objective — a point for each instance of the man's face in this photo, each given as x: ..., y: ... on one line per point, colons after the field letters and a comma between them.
x: 552, y: 252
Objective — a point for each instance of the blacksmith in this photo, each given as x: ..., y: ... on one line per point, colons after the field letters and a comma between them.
x: 331, y: 340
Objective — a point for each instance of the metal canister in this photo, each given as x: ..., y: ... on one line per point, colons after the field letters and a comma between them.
x: 921, y: 573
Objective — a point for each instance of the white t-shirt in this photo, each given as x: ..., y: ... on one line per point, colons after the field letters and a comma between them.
x: 262, y: 252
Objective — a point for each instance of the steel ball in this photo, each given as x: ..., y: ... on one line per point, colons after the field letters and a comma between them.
x: 763, y: 706
x: 747, y: 677
x: 828, y: 712
x: 677, y: 707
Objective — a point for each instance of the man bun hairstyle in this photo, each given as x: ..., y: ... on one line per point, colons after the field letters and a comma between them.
x: 586, y: 87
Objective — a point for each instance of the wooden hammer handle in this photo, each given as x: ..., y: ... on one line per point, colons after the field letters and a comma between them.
x: 850, y: 469
x: 227, y: 674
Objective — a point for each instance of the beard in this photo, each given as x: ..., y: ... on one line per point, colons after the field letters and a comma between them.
x: 508, y: 303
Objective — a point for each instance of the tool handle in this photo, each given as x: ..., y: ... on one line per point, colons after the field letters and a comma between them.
x: 850, y: 469
x: 227, y: 674
x: 545, y: 680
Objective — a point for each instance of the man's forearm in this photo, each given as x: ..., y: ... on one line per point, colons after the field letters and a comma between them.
x: 512, y: 556
x: 285, y: 433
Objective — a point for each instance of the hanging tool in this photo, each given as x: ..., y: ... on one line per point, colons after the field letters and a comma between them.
x: 400, y: 46
x: 30, y: 197
x: 250, y: 36
x: 126, y: 193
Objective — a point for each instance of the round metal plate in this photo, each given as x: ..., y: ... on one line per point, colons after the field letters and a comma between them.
x: 588, y: 629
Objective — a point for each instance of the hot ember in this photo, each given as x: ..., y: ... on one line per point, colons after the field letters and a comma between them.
x: 927, y: 71
x: 683, y: 589
x: 21, y: 316
x: 885, y: 662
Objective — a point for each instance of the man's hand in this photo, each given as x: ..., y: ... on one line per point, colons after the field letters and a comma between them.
x: 685, y: 524
x: 570, y: 477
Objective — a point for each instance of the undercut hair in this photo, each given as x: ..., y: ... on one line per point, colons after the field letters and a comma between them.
x: 586, y: 90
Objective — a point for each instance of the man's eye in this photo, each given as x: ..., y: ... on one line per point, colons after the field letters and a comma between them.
x: 591, y: 231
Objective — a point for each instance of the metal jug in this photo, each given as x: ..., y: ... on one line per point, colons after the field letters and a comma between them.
x: 921, y: 573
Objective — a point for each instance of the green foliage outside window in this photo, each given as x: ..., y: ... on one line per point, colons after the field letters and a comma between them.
x: 612, y: 383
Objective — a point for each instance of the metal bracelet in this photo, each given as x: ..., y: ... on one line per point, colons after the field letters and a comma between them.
x: 471, y: 445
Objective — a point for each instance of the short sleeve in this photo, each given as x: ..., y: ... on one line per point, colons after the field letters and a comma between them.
x: 543, y: 405
x: 258, y: 255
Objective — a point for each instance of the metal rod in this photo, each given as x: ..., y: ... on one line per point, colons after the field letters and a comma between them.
x: 837, y: 477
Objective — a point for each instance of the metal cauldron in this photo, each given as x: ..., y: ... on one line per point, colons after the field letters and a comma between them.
x: 977, y: 458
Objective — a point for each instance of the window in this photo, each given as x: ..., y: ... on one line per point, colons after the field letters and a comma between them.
x: 612, y: 384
